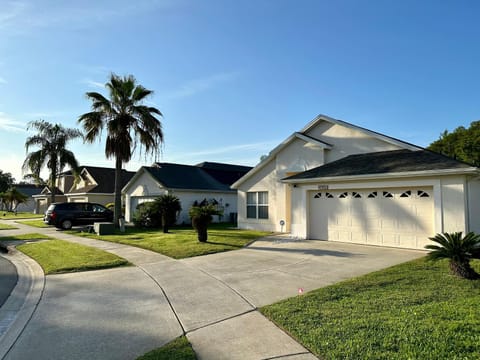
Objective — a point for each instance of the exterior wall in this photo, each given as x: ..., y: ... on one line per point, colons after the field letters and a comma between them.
x: 474, y: 205
x: 347, y: 141
x: 449, y: 197
x: 42, y: 202
x: 28, y: 206
x: 101, y: 199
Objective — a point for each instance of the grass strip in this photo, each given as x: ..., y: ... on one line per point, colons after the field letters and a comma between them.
x: 7, y: 227
x: 7, y: 215
x: 34, y: 223
x: 415, y: 310
x: 182, y: 243
x: 59, y: 256
x: 178, y: 349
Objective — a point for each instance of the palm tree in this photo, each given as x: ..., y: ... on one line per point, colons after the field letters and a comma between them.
x: 460, y: 250
x: 128, y: 122
x: 52, y: 141
x: 13, y: 198
x: 169, y: 206
x: 201, y: 217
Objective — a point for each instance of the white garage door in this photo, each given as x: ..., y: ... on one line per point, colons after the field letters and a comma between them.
x: 388, y: 217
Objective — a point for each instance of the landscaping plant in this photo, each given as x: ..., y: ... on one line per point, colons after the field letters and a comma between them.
x: 169, y: 207
x: 147, y: 215
x: 459, y: 249
x: 201, y: 217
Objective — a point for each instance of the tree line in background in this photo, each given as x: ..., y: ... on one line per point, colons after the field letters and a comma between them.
x: 461, y: 144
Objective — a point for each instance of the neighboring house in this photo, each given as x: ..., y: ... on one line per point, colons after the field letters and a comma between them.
x: 30, y: 190
x: 340, y: 182
x: 189, y: 183
x: 93, y: 184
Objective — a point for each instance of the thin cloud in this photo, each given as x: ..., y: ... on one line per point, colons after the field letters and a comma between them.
x: 93, y: 84
x: 11, y: 125
x: 22, y: 17
x: 2, y: 80
x: 200, y: 85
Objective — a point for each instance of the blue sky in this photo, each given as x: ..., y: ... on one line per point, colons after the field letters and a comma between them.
x: 235, y: 78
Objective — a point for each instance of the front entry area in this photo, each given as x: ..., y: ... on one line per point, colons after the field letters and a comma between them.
x: 397, y: 217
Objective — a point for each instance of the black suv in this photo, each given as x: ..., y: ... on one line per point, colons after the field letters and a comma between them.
x: 65, y: 215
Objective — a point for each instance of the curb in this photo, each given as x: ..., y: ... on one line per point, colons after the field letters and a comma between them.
x: 17, y: 311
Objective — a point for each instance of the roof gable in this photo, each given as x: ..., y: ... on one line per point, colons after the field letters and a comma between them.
x: 103, y: 180
x: 304, y: 134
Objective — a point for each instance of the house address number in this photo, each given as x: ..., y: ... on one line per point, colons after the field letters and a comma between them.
x: 323, y: 187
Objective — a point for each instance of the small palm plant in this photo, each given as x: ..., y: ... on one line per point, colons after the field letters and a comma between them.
x: 201, y: 217
x: 169, y: 206
x: 460, y: 250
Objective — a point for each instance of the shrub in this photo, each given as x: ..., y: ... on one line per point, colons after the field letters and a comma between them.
x: 169, y: 207
x: 147, y: 215
x: 459, y: 249
x: 201, y: 217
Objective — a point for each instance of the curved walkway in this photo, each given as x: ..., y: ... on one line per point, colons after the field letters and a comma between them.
x: 122, y: 313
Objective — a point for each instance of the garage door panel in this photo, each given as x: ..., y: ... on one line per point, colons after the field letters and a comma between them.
x: 388, y: 217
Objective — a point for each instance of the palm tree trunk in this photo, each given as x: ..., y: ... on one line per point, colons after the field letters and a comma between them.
x: 117, y: 211
x: 463, y: 270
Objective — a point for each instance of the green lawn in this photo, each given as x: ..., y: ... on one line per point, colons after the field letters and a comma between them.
x: 26, y: 237
x: 7, y: 227
x: 34, y: 223
x: 415, y: 310
x: 59, y: 256
x: 5, y: 215
x: 178, y: 349
x: 182, y: 242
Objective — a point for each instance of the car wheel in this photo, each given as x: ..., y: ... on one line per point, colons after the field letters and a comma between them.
x: 66, y: 224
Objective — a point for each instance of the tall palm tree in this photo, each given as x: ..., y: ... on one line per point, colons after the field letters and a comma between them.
x: 458, y: 249
x: 129, y: 123
x: 52, y: 140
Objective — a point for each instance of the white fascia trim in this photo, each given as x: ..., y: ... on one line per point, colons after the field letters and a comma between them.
x: 377, y: 135
x: 465, y: 171
x: 275, y: 151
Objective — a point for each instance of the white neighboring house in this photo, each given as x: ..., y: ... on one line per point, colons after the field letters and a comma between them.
x: 339, y: 182
x: 189, y: 183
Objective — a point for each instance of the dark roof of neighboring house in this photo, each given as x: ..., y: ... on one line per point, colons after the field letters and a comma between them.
x: 205, y: 176
x: 383, y: 162
x: 225, y: 173
x: 29, y: 189
x: 105, y: 178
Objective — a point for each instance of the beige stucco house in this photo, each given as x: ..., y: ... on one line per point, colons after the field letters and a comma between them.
x: 339, y: 182
x: 93, y: 184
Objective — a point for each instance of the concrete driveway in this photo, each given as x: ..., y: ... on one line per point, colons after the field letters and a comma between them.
x: 275, y: 268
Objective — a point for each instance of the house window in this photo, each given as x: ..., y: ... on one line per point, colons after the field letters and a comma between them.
x: 257, y: 205
x: 317, y: 196
x: 356, y: 195
x: 372, y: 195
x: 405, y: 194
x: 422, y: 193
x: 343, y: 195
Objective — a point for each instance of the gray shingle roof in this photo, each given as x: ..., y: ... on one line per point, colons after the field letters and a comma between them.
x: 382, y: 163
x: 205, y: 176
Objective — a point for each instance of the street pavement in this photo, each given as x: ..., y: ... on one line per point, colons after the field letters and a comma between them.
x: 8, y: 279
x: 124, y: 312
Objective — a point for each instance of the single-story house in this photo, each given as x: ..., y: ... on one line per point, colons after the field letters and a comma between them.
x: 339, y: 182
x: 93, y: 184
x: 190, y: 183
